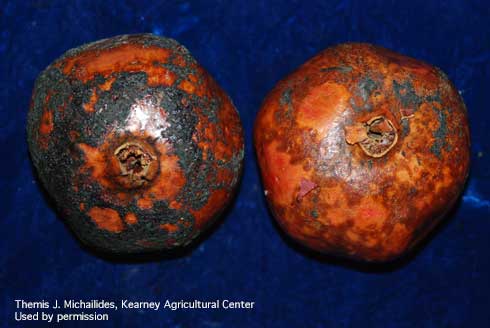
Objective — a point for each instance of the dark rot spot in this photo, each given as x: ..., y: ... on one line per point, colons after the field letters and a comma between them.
x: 147, y: 150
x: 360, y: 162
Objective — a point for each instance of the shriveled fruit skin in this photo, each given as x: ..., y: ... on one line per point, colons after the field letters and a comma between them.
x: 138, y: 146
x: 362, y: 151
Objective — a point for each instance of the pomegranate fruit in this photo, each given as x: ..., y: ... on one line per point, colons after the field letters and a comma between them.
x: 139, y: 147
x: 362, y: 151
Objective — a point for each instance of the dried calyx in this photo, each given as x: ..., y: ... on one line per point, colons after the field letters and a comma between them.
x: 375, y: 137
x: 137, y: 164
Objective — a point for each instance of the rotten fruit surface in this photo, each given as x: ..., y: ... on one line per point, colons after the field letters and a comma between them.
x: 362, y: 151
x: 138, y: 146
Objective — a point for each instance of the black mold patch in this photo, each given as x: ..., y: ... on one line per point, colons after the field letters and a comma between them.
x: 406, y: 94
x: 366, y: 87
x: 436, y: 97
x: 286, y: 97
x: 443, y: 75
x: 440, y: 134
x: 341, y: 69
x: 285, y: 110
x: 112, y: 107
x: 287, y: 102
x: 354, y: 106
x: 405, y: 127
x: 48, y: 161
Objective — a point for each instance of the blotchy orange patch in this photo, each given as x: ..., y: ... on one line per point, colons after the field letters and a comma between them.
x: 107, y: 219
x: 130, y: 218
x: 214, y: 204
x: 179, y: 61
x: 370, y: 214
x: 169, y: 227
x: 322, y: 104
x: 47, y: 124
x: 45, y: 128
x: 445, y: 180
x: 403, y: 176
x: 103, y: 166
x: 144, y: 203
x: 175, y: 205
x: 96, y: 162
x: 161, y: 76
x: 336, y: 216
x: 168, y: 182
x: 89, y: 107
x: 398, y: 239
x: 334, y: 195
x: 187, y: 86
x: 107, y: 85
x: 283, y: 186
x: 124, y: 58
x: 222, y: 152
x: 352, y: 235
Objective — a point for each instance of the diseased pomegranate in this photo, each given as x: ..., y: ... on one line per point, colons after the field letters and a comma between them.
x: 362, y: 151
x: 139, y: 147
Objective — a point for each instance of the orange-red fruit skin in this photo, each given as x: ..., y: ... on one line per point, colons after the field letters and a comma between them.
x: 362, y: 151
x: 139, y: 147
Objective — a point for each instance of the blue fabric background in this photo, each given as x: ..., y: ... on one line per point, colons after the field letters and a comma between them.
x: 248, y: 46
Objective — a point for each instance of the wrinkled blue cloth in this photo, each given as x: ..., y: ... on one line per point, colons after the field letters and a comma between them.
x: 248, y: 46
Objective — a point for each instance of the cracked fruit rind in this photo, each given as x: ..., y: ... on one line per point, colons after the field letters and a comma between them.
x: 362, y: 151
x: 138, y: 146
